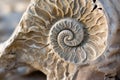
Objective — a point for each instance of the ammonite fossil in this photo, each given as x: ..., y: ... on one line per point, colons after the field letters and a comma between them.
x: 77, y: 30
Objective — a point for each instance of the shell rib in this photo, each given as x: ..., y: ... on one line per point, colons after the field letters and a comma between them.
x: 66, y: 36
x: 74, y: 30
x: 77, y: 31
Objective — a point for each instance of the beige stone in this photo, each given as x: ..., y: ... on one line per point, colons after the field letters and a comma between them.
x: 67, y: 39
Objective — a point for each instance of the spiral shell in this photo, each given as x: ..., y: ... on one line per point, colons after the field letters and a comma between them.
x: 68, y: 34
x: 77, y: 31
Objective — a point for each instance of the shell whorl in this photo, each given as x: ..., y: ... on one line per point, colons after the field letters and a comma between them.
x: 75, y: 30
x: 66, y: 35
x: 67, y: 31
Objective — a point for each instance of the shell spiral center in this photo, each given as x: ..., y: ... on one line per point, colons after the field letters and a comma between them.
x: 65, y: 36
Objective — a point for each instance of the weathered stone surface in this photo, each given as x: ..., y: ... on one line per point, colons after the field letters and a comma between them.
x: 67, y: 39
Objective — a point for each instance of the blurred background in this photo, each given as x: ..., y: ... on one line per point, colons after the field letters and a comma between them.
x: 11, y: 12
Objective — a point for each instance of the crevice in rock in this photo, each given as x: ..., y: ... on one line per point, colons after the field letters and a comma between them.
x: 94, y: 1
x: 95, y: 7
x: 38, y: 75
x: 100, y: 8
x: 117, y: 78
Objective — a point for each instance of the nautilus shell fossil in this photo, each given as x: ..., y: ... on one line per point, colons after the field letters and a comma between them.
x: 77, y: 32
